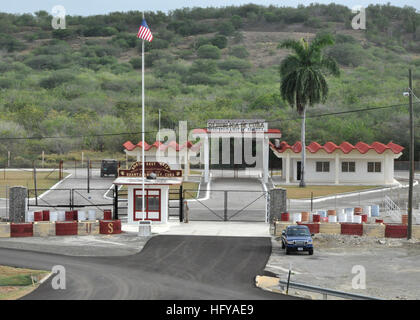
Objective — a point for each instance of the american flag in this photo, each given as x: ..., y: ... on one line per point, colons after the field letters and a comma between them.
x: 144, y: 32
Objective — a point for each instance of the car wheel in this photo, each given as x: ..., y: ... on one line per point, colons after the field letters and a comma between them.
x: 311, y: 252
x: 282, y: 245
x: 287, y: 251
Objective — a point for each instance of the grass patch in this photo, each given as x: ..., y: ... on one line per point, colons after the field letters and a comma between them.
x: 44, y: 180
x: 295, y: 192
x: 16, y: 282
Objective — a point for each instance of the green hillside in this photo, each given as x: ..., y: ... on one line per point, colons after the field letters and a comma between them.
x: 203, y: 64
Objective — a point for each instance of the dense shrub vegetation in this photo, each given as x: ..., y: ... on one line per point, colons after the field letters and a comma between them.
x: 203, y: 64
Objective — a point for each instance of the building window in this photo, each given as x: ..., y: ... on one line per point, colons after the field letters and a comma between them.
x: 322, y: 166
x: 348, y: 166
x: 374, y: 167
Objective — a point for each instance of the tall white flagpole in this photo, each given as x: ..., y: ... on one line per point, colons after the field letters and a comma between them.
x: 142, y: 126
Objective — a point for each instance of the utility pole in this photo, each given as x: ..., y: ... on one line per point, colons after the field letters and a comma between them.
x: 410, y: 190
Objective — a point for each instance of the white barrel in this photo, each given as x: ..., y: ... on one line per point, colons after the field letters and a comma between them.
x: 340, y: 211
x: 367, y: 210
x: 322, y: 213
x: 53, y: 216
x: 342, y: 217
x: 374, y: 210
x: 92, y: 215
x: 349, y: 217
x: 61, y: 216
x: 30, y: 216
x: 349, y: 210
x: 357, y: 219
x: 81, y: 215
x: 332, y: 218
x: 297, y: 217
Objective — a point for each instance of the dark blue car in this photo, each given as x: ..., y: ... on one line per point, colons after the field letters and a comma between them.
x: 296, y: 239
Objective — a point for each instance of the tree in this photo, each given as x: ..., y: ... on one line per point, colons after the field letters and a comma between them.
x: 303, y: 79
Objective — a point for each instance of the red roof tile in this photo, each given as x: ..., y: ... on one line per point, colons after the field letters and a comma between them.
x: 345, y: 147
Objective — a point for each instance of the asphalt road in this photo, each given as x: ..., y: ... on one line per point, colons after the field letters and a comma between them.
x: 168, y: 268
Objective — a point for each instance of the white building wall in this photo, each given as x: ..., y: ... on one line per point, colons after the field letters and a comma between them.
x: 360, y: 176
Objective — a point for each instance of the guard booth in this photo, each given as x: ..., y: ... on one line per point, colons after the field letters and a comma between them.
x: 156, y: 190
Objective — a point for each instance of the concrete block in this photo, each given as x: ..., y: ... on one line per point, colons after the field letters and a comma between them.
x: 280, y: 226
x: 374, y: 230
x: 17, y: 204
x: 85, y: 228
x: 416, y: 231
x: 330, y: 228
x: 44, y: 229
x: 4, y: 230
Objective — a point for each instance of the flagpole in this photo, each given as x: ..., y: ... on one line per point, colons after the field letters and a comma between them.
x: 142, y: 126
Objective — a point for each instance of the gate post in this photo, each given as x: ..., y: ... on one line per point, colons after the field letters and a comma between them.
x: 17, y: 207
x: 181, y: 204
x: 116, y: 202
x: 278, y: 203
x: 225, y: 207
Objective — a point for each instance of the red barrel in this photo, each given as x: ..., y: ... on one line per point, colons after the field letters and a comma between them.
x: 110, y: 226
x: 21, y: 230
x: 305, y: 216
x: 358, y: 211
x: 74, y: 215
x: 379, y: 221
x: 404, y: 219
x: 46, y: 215
x: 364, y: 218
x: 324, y: 219
x: 107, y: 214
x: 69, y: 215
x: 66, y: 228
x: 316, y: 218
x: 38, y: 216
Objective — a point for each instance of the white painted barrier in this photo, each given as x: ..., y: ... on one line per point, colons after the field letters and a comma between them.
x: 31, y: 216
x: 357, y: 219
x: 53, y: 216
x: 61, y: 216
x: 81, y: 215
x: 342, y: 217
x: 332, y: 219
x: 91, y: 215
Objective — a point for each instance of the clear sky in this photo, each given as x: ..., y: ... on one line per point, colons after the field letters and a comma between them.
x: 90, y: 7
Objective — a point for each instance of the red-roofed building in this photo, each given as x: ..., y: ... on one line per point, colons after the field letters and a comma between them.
x: 362, y: 163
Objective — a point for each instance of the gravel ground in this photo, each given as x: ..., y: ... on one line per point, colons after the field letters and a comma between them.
x: 392, y: 265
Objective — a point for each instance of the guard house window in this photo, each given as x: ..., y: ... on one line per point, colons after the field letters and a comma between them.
x: 322, y: 166
x: 348, y: 166
x: 374, y: 167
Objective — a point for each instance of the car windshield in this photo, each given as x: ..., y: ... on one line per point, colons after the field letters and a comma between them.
x: 296, y: 232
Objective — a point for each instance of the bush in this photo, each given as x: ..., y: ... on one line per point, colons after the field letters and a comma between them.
x: 206, y: 66
x: 48, y: 62
x: 121, y: 68
x: 5, y: 83
x: 56, y: 79
x: 226, y: 28
x: 347, y: 54
x: 64, y: 34
x: 208, y: 51
x: 124, y: 40
x: 10, y: 43
x: 219, y: 41
x: 239, y: 52
x: 136, y: 63
x: 236, y: 21
x: 235, y: 64
x: 201, y: 41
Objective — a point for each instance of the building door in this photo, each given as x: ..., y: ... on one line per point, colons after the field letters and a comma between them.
x: 152, y: 205
x: 298, y: 172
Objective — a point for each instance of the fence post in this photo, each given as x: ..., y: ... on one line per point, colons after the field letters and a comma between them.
x: 116, y: 202
x: 88, y: 176
x: 71, y: 198
x: 181, y: 204
x: 225, y: 206
x: 36, y: 191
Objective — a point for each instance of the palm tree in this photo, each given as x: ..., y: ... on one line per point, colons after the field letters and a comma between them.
x: 303, y: 78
